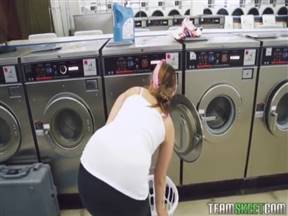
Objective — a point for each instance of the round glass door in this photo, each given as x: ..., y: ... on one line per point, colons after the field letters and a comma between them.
x: 282, y: 110
x: 219, y: 109
x: 188, y: 129
x: 70, y: 125
x: 9, y: 134
x: 277, y: 112
x: 220, y: 114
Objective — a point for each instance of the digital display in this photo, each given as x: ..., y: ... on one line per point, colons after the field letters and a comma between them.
x: 234, y: 57
x: 73, y: 68
x: 155, y: 62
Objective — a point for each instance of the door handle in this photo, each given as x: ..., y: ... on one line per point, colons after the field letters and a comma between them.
x: 209, y: 118
x: 206, y: 118
x: 274, y: 116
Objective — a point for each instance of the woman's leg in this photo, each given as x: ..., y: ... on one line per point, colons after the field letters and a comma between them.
x: 100, y: 199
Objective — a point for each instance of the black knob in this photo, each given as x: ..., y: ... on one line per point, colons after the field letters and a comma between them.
x: 63, y: 69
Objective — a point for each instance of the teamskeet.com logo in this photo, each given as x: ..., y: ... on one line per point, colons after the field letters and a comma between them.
x: 241, y: 208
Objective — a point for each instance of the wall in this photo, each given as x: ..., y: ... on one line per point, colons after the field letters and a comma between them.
x: 9, y: 25
x: 19, y: 18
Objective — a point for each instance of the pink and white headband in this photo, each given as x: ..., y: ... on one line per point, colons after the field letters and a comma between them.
x: 155, y: 78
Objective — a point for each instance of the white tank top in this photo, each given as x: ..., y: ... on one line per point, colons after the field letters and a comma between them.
x: 120, y: 152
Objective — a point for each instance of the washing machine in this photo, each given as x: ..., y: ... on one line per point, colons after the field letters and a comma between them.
x: 17, y: 145
x: 253, y: 11
x: 251, y: 8
x: 182, y: 6
x: 158, y: 8
x: 238, y: 11
x: 222, y: 11
x: 209, y: 10
x: 133, y: 65
x: 211, y: 22
x: 175, y: 11
x: 281, y: 7
x: 281, y: 10
x: 219, y: 81
x: 173, y: 8
x: 269, y: 143
x: 266, y: 7
x: 217, y: 5
x: 185, y: 7
x: 159, y: 23
x: 229, y: 8
x: 66, y: 100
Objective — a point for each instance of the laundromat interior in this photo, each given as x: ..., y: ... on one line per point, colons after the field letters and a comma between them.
x: 64, y: 63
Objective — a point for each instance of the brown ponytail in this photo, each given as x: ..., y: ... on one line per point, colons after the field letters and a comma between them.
x: 166, y: 89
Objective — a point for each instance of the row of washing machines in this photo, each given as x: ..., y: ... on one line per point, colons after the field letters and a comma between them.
x: 182, y: 7
x: 231, y: 120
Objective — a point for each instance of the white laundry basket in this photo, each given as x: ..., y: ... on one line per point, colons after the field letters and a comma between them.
x: 171, y: 196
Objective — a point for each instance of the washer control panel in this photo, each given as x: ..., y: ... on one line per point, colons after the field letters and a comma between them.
x: 43, y: 71
x: 203, y: 59
x: 158, y: 22
x: 8, y: 74
x: 275, y: 56
x: 139, y: 63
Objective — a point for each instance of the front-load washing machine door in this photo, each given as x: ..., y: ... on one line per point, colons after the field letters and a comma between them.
x: 188, y: 129
x: 10, y: 136
x: 277, y: 111
x: 69, y: 125
x: 219, y: 109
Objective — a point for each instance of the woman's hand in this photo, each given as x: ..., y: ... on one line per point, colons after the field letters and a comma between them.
x: 162, y: 211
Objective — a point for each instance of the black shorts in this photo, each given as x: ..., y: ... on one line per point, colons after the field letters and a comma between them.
x: 101, y: 199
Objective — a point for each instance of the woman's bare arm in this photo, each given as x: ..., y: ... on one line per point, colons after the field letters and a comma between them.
x: 162, y: 165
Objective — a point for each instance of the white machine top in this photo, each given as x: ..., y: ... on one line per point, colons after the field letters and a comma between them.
x: 68, y: 39
x: 11, y: 58
x: 28, y: 42
x: 145, y: 45
x: 275, y: 39
x: 64, y: 51
x: 222, y: 41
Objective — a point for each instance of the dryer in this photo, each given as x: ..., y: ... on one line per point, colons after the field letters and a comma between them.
x: 281, y: 7
x: 156, y: 8
x: 208, y: 21
x: 17, y: 145
x: 269, y: 142
x: 266, y: 7
x: 219, y: 81
x: 66, y: 100
x: 173, y: 8
x: 251, y: 8
x: 253, y: 11
x: 133, y: 65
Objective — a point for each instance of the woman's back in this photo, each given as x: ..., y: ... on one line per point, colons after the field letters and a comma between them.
x: 120, y: 152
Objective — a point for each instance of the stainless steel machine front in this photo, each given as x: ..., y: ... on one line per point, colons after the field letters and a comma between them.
x: 269, y: 143
x: 130, y: 66
x: 16, y: 141
x: 65, y: 93
x: 219, y: 81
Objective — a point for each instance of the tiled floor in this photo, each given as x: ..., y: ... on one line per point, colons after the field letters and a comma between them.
x: 200, y: 207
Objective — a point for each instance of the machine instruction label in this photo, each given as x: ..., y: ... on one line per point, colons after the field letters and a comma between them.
x: 10, y: 74
x: 89, y: 67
